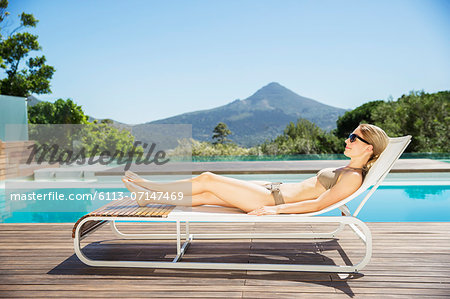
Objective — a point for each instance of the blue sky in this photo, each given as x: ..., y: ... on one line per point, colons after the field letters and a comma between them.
x: 138, y: 61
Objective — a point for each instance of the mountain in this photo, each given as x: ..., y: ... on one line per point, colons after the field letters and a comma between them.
x: 263, y: 115
x: 32, y: 100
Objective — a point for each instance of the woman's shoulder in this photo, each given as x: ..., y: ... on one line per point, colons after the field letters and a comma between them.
x: 352, y: 173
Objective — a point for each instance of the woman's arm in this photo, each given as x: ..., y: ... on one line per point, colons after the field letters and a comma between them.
x: 347, y: 185
x: 306, y: 206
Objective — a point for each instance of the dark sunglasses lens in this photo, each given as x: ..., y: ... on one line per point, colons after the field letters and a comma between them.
x: 352, y: 137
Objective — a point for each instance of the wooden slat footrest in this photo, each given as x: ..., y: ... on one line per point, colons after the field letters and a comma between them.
x: 126, y: 207
x: 90, y: 226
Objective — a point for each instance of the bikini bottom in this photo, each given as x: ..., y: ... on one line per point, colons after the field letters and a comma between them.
x: 276, y: 193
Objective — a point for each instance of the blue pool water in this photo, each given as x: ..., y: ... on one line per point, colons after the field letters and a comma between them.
x: 420, y: 203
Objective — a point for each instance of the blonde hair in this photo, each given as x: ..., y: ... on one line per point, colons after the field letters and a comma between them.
x: 377, y: 138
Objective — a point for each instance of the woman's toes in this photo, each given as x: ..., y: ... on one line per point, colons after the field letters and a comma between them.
x: 131, y: 174
x: 126, y: 185
x: 131, y: 179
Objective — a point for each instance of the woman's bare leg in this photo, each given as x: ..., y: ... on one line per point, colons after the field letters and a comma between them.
x: 178, y: 185
x: 184, y: 185
x: 208, y: 198
x: 137, y: 178
x: 244, y: 195
x: 144, y: 196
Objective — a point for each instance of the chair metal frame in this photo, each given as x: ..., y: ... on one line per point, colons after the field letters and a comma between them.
x: 219, y: 214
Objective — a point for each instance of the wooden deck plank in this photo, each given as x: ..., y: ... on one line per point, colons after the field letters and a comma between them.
x: 113, y: 294
x: 409, y: 260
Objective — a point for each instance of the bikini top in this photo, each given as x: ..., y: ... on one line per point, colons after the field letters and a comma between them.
x: 328, y: 177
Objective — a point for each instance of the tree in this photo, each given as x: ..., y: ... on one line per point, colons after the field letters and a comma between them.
x: 3, y: 12
x: 423, y: 116
x: 351, y: 119
x: 21, y: 80
x: 60, y: 112
x: 3, y: 15
x: 64, y: 123
x: 426, y: 117
x: 304, y: 137
x: 221, y: 132
x: 107, y: 121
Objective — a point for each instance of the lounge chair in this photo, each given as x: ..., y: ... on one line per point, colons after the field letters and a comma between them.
x: 130, y: 211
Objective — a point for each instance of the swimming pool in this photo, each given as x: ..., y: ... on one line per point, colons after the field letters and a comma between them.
x: 415, y: 197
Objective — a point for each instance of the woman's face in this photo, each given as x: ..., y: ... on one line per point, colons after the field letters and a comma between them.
x: 357, y: 148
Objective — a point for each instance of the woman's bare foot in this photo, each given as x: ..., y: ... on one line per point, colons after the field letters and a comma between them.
x: 141, y: 198
x: 144, y: 196
x: 134, y: 177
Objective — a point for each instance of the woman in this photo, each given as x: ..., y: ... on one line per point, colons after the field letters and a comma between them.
x: 329, y: 186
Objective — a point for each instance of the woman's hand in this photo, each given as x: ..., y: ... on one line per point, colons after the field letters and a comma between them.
x: 266, y: 210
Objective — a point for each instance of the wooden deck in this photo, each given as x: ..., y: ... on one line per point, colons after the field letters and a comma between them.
x: 409, y: 260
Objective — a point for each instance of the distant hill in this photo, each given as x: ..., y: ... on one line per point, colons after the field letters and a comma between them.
x: 264, y: 115
x: 32, y: 100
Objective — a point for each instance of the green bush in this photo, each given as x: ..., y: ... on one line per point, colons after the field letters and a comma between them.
x: 304, y: 137
x: 204, y: 148
x: 423, y: 116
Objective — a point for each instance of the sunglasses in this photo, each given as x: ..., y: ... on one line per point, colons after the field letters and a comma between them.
x: 353, y: 137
